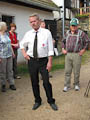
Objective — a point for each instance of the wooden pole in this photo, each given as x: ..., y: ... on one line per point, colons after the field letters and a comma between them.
x: 81, y: 11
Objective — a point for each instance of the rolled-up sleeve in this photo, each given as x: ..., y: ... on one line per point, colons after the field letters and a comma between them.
x: 24, y: 42
x: 50, y: 45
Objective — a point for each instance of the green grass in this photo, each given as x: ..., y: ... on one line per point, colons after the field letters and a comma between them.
x: 58, y: 63
x: 86, y: 57
x: 22, y: 69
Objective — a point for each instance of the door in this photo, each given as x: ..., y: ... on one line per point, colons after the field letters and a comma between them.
x: 52, y: 26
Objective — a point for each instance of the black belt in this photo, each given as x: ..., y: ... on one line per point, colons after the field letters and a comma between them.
x: 38, y: 59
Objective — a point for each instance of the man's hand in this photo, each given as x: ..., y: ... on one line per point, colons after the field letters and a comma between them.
x: 49, y: 64
x: 25, y: 55
x: 64, y: 51
x: 81, y: 52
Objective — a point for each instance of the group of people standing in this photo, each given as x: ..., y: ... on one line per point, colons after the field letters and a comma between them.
x: 39, y: 56
x: 8, y: 56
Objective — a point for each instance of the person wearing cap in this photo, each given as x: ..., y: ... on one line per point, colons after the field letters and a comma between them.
x: 74, y: 45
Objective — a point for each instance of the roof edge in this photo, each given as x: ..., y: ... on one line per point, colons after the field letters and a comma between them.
x: 39, y: 5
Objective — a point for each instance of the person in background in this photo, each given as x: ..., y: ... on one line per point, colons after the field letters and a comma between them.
x: 39, y: 56
x: 74, y: 45
x: 15, y: 46
x: 42, y: 25
x: 55, y: 48
x: 6, y: 52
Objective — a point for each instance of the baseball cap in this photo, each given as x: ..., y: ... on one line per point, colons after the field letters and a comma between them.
x: 74, y: 21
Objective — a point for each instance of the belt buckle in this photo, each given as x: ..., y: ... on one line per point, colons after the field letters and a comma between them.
x: 37, y: 59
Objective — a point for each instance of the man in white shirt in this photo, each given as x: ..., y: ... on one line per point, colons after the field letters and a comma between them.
x: 39, y: 56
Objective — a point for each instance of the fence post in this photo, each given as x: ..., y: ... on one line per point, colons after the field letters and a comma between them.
x: 81, y: 11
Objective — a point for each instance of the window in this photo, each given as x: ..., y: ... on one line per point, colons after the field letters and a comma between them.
x: 89, y: 4
x: 8, y: 20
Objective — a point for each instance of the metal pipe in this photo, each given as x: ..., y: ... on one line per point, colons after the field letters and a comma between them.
x: 63, y: 25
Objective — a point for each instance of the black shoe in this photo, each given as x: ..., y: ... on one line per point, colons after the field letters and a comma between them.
x: 54, y: 106
x: 50, y: 76
x: 36, y: 105
x: 3, y: 88
x: 12, y: 87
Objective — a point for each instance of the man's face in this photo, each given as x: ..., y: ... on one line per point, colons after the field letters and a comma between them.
x: 34, y: 22
x: 73, y: 28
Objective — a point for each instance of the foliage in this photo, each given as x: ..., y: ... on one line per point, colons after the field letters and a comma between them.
x: 75, y: 10
x: 86, y: 57
x: 82, y: 16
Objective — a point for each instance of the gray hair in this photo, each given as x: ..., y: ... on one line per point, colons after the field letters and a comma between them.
x: 35, y: 15
x: 2, y: 25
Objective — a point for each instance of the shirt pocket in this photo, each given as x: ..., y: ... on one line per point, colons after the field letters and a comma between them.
x: 43, y: 45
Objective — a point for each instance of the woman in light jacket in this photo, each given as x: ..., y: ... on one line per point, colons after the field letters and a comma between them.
x: 6, y: 54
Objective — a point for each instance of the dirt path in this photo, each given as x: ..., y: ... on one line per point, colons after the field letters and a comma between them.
x: 72, y: 105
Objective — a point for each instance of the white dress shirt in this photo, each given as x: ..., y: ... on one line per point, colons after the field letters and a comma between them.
x: 44, y: 44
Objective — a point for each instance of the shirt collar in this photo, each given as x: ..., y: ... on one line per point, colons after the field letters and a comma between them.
x: 37, y: 30
x: 76, y: 32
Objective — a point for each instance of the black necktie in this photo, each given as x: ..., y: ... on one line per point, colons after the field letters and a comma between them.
x: 35, y: 54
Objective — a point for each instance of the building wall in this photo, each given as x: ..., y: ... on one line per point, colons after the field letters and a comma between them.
x: 21, y: 15
x: 75, y: 4
x: 70, y: 13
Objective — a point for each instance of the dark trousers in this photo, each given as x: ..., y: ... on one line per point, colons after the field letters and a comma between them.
x: 36, y: 66
x: 15, y: 63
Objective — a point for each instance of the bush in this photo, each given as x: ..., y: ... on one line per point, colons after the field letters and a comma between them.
x: 82, y: 16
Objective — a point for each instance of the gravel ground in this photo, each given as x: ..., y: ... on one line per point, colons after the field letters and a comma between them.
x: 17, y: 105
